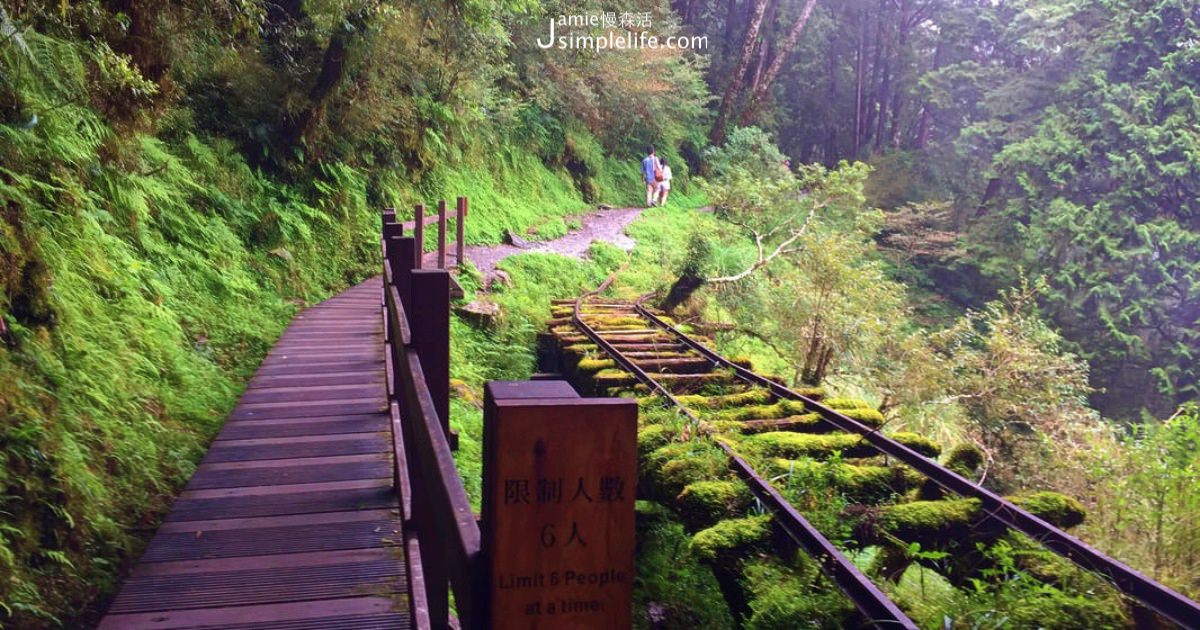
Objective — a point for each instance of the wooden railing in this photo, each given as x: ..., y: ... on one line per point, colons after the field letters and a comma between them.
x: 442, y: 538
x: 416, y: 227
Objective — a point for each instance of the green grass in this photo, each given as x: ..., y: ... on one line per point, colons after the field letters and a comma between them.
x: 143, y: 279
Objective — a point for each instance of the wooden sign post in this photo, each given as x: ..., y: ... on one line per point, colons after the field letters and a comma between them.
x: 558, y: 492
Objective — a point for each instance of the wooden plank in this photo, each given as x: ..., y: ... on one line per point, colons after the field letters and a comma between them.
x: 344, y: 614
x: 305, y: 409
x: 310, y: 392
x: 316, y: 380
x: 291, y: 520
x: 282, y: 501
x: 294, y: 447
x: 260, y: 586
x: 379, y: 467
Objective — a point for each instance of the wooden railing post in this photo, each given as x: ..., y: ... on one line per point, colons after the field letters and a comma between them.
x: 401, y: 261
x: 431, y: 336
x: 460, y: 220
x: 441, y: 254
x: 389, y: 216
x: 419, y: 232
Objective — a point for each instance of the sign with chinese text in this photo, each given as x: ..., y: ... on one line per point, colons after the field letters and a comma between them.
x: 558, y: 520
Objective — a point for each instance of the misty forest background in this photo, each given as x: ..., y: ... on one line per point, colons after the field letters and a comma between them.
x: 1001, y: 202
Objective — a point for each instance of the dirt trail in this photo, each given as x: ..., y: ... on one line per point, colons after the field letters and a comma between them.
x: 601, y: 225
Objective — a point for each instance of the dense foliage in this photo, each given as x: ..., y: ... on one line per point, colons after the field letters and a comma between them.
x: 1063, y: 135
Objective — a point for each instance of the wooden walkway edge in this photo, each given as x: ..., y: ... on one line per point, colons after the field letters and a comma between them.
x: 290, y: 522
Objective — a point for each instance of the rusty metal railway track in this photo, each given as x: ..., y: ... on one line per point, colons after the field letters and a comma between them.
x: 870, y: 601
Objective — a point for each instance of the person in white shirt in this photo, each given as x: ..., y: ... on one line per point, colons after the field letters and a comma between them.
x: 664, y: 187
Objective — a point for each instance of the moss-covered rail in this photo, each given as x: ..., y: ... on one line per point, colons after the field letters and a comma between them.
x: 782, y: 444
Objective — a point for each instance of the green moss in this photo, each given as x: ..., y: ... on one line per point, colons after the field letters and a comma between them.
x: 815, y: 393
x: 705, y: 502
x: 616, y: 322
x: 678, y: 464
x: 780, y: 409
x: 1053, y: 507
x: 964, y: 459
x: 732, y: 538
x: 723, y: 426
x: 788, y: 444
x: 671, y: 579
x: 748, y: 397
x: 842, y: 404
x: 928, y: 520
x: 595, y: 364
x: 651, y: 437
x: 870, y: 417
x: 866, y: 484
x: 918, y: 443
x: 780, y: 595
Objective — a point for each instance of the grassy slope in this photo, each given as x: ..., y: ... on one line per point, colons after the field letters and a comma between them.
x: 143, y: 280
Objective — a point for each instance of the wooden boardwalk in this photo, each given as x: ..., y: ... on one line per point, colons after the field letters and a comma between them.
x: 290, y: 521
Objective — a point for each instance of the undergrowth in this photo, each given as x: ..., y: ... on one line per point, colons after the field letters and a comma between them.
x: 144, y: 275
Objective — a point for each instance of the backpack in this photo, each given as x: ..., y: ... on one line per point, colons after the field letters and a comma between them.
x: 658, y: 174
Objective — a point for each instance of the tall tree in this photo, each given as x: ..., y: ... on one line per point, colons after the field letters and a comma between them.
x: 758, y: 90
x: 733, y: 88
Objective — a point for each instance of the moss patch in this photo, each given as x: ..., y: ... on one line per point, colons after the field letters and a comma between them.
x: 732, y: 538
x: 705, y: 502
x: 794, y: 445
x: 1056, y: 508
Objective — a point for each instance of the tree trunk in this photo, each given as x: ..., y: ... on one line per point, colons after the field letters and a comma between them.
x: 923, y: 130
x: 333, y: 70
x: 885, y: 86
x: 757, y: 96
x: 859, y: 53
x: 681, y: 291
x: 871, y: 103
x: 734, y: 86
x: 906, y: 24
x: 831, y: 122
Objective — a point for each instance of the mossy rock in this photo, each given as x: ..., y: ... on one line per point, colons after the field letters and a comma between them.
x: 841, y: 404
x: 795, y: 445
x: 748, y: 397
x: 706, y: 502
x: 1058, y: 509
x: 732, y: 538
x: 964, y: 459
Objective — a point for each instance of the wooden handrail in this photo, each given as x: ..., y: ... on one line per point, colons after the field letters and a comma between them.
x: 442, y: 537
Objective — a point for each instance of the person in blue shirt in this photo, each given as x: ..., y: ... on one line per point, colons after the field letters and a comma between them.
x: 650, y: 173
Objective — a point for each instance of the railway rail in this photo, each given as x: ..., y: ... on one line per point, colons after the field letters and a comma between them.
x: 665, y: 361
